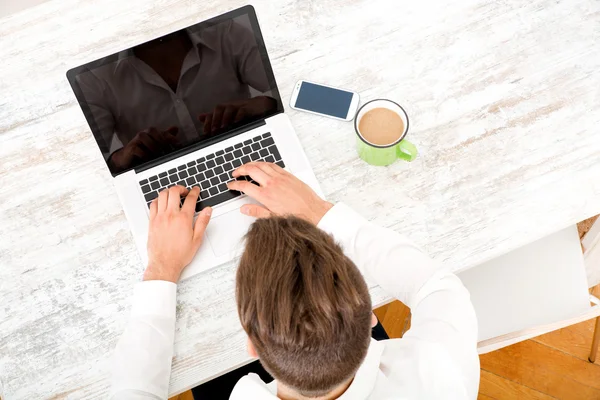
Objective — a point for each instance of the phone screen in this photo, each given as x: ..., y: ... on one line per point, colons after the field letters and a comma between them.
x: 324, y: 100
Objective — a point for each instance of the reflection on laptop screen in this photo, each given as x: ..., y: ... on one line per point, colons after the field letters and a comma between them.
x: 178, y: 90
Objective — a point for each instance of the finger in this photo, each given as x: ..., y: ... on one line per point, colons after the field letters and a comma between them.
x: 217, y: 118
x: 241, y: 115
x: 172, y: 130
x: 189, y: 205
x: 175, y: 193
x: 153, y: 208
x: 278, y: 170
x: 139, y: 152
x: 254, y: 171
x: 163, y: 200
x: 146, y: 141
x: 246, y: 168
x: 228, y: 116
x: 248, y: 188
x: 201, y: 223
x: 256, y: 211
x: 207, y: 123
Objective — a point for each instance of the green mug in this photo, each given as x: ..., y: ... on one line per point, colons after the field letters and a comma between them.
x: 382, y: 155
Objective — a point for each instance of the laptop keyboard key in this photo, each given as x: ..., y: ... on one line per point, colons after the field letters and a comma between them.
x: 209, y: 174
x: 155, y: 185
x: 236, y: 163
x: 210, y: 164
x: 201, y: 167
x: 174, y: 178
x: 144, y: 182
x: 146, y: 188
x: 238, y: 145
x: 254, y: 156
x: 220, y: 153
x: 200, y: 177
x: 153, y: 178
x: 255, y: 146
x: 245, y: 160
x: 247, y: 150
x: 219, y: 160
x: 210, y: 156
x: 218, y: 199
x: 181, y: 167
x: 238, y: 153
x: 162, y: 174
x: 270, y: 159
x: 230, y: 148
x: 264, y: 152
x: 224, y: 177
x: 183, y: 175
x: 213, y: 191
x: 218, y: 170
x: 164, y: 181
x: 228, y: 157
x: 201, y: 160
x: 280, y: 163
x: 191, y: 163
x: 214, y: 181
x: 190, y: 181
x: 192, y: 171
x: 151, y: 196
x: 273, y: 150
x: 266, y: 135
x: 222, y: 187
x: 204, y: 194
x: 172, y: 171
x: 227, y: 167
x: 247, y: 142
x: 267, y: 142
x: 181, y: 183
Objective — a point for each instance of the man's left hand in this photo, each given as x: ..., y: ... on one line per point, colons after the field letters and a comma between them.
x: 173, y: 238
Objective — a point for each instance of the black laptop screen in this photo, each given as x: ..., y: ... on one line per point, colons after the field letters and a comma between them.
x: 177, y: 91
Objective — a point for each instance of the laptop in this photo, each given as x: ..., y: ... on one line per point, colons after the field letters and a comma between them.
x: 187, y: 109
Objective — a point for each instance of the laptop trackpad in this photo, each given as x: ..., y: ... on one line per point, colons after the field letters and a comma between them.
x: 226, y: 232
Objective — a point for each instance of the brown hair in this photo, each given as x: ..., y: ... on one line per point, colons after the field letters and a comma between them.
x: 304, y: 305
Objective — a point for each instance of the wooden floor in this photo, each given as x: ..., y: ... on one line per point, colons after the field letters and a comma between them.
x: 551, y: 366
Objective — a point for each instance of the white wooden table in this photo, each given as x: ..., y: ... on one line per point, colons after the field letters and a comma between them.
x: 504, y: 103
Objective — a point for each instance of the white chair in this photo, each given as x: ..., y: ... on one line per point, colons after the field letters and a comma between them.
x: 533, y: 290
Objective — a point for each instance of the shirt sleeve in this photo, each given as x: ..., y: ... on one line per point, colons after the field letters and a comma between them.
x: 142, y: 359
x: 442, y: 312
x: 97, y: 110
x: 248, y: 58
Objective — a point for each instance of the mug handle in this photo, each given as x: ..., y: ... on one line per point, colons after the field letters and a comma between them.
x: 406, y: 150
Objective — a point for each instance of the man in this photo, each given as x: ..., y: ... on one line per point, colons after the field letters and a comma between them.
x: 303, y: 303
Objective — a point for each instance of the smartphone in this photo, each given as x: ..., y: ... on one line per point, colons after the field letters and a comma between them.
x: 324, y: 100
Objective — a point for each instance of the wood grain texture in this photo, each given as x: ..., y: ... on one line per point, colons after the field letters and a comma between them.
x: 495, y: 387
x: 545, y: 369
x: 504, y: 103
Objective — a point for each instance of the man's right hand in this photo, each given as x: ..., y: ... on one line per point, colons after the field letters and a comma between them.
x: 279, y: 191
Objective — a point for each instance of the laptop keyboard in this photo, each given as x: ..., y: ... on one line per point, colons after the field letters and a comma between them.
x: 213, y: 171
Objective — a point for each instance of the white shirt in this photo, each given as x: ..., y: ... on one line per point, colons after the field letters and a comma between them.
x: 436, y: 359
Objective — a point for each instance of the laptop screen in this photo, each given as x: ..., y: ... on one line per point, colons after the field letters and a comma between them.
x: 180, y: 90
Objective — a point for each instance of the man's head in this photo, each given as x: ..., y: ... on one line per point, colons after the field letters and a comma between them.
x: 304, y: 305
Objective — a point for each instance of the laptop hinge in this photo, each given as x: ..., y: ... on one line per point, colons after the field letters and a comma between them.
x: 198, y: 146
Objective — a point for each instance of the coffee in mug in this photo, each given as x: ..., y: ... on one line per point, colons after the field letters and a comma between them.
x: 381, y: 126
